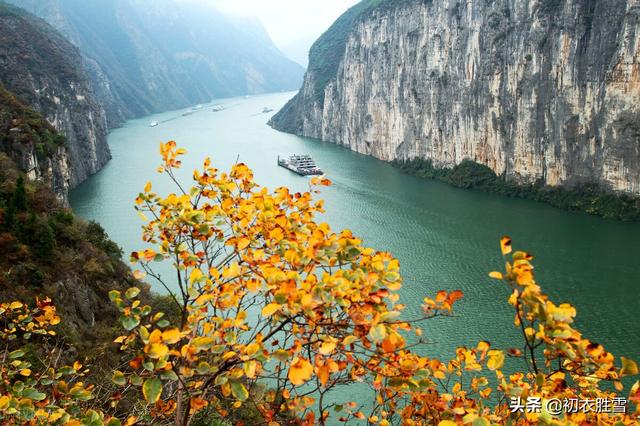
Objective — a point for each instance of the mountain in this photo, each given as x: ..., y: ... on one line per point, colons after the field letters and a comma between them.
x: 44, y: 89
x: 147, y: 56
x: 542, y: 92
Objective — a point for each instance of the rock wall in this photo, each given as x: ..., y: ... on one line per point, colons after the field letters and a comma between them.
x: 544, y: 90
x: 46, y: 74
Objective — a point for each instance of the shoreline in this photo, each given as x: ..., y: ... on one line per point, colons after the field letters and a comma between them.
x: 587, y: 198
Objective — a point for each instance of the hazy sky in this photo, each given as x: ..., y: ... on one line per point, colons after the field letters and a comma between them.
x: 293, y: 24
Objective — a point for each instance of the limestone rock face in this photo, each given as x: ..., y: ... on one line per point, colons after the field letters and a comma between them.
x: 43, y: 72
x: 541, y: 90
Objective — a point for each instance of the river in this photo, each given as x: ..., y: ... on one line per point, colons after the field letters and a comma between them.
x: 445, y: 238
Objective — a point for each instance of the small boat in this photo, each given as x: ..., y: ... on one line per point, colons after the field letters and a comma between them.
x: 153, y: 124
x: 266, y: 110
x: 300, y: 164
x: 217, y: 108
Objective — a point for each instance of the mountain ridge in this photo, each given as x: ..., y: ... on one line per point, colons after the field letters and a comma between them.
x: 146, y: 57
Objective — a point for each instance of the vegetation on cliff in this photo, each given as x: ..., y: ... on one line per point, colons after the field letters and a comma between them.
x: 22, y: 128
x: 275, y: 310
x: 44, y: 71
x: 46, y: 251
x: 588, y: 198
x: 327, y: 52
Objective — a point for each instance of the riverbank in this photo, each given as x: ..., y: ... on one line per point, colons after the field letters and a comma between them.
x: 590, y: 199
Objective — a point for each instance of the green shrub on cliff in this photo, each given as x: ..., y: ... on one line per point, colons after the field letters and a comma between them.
x: 586, y: 198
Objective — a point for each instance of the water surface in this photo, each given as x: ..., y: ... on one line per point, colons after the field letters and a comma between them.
x: 445, y: 238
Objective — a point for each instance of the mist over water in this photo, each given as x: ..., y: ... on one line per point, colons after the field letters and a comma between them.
x: 445, y: 238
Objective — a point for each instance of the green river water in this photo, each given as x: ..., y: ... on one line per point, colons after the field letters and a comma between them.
x: 445, y: 238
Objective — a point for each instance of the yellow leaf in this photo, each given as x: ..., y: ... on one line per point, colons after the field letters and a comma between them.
x: 25, y: 372
x: 328, y: 347
x: 270, y: 309
x: 306, y: 300
x: 300, y: 371
x: 251, y: 349
x: 4, y: 401
x: 505, y: 245
x: 496, y: 360
x: 349, y: 340
x: 171, y: 336
x: 233, y: 271
x: 378, y: 333
x: 196, y: 275
x: 629, y: 367
x: 15, y: 305
x: 139, y: 275
x: 495, y: 275
x: 156, y: 350
x: 243, y: 243
x: 147, y: 187
x: 447, y: 423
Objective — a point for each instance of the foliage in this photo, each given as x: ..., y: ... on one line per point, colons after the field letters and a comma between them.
x: 271, y: 310
x: 49, y: 395
x: 586, y: 198
x: 21, y: 126
x: 277, y: 310
x: 46, y: 251
x: 96, y: 234
x: 265, y: 294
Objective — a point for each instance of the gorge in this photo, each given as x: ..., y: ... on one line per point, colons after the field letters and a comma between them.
x: 208, y: 285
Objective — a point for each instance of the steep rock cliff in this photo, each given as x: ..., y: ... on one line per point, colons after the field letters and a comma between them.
x: 33, y: 144
x: 45, y: 72
x: 539, y: 91
x: 146, y: 56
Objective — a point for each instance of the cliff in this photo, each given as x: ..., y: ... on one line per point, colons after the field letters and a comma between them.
x: 45, y: 251
x: 146, y: 56
x: 42, y: 72
x: 33, y: 144
x: 541, y: 92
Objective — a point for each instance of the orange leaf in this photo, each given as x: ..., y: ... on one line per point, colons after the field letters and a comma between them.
x: 300, y: 371
x: 505, y: 245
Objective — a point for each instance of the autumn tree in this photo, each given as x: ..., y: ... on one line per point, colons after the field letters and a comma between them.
x: 276, y: 310
x: 272, y: 310
x: 266, y: 297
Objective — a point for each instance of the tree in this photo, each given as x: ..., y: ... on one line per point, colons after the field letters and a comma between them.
x: 17, y: 203
x: 19, y: 198
x: 272, y: 310
x: 43, y: 240
x: 269, y: 297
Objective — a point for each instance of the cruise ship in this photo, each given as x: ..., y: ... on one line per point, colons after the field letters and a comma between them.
x: 300, y: 164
